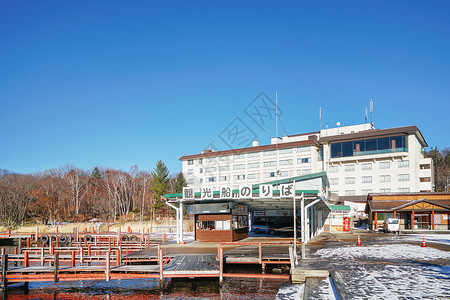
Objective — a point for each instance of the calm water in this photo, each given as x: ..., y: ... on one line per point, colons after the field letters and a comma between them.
x: 232, y: 288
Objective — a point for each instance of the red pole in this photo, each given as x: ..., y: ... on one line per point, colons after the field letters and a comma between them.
x: 15, y: 250
x: 72, y: 259
x: 28, y: 242
x: 89, y: 250
x: 118, y: 258
x: 26, y: 259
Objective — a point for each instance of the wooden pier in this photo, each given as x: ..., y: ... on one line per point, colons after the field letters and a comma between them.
x: 107, y: 258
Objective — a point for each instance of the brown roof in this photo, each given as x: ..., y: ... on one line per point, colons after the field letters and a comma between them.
x: 372, y: 133
x: 250, y: 149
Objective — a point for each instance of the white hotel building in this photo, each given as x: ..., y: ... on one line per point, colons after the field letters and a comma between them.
x: 358, y: 160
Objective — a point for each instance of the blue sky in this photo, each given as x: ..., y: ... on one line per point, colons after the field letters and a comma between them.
x: 119, y: 83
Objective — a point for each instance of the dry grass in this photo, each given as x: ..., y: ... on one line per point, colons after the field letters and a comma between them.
x: 165, y: 225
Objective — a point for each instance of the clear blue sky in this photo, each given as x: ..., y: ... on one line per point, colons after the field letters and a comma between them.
x: 118, y: 83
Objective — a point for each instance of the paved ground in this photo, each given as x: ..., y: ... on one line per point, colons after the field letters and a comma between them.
x: 387, y: 266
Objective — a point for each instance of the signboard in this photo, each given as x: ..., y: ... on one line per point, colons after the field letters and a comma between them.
x: 208, y: 208
x: 226, y: 192
x: 273, y: 213
x: 265, y: 191
x: 241, y: 210
x: 188, y: 193
x: 287, y: 190
x: 206, y: 193
x: 245, y: 191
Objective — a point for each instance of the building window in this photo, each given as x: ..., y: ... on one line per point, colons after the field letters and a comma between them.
x: 385, y: 165
x: 425, y: 167
x: 210, y: 169
x: 201, y: 170
x: 303, y: 149
x: 224, y: 158
x: 387, y: 190
x: 190, y: 162
x: 349, y: 192
x: 270, y: 163
x: 224, y: 168
x: 269, y: 153
x: 238, y: 156
x: 349, y: 168
x: 201, y: 180
x: 251, y: 176
x: 304, y: 160
x: 366, y: 191
x: 239, y: 167
x: 286, y: 162
x: 240, y: 177
x: 333, y: 169
x: 385, y: 178
x: 191, y: 171
x: 253, y: 154
x: 211, y: 179
x: 369, y: 146
x: 367, y: 179
x: 403, y: 163
x: 403, y: 177
x: 334, y: 181
x: 253, y: 165
x: 286, y: 151
x: 210, y: 159
x: 200, y: 161
x: 272, y: 174
x: 349, y: 180
x: 306, y: 171
x: 223, y: 178
x: 425, y: 179
x: 403, y: 190
x: 366, y: 166
x: 190, y: 181
x: 284, y: 173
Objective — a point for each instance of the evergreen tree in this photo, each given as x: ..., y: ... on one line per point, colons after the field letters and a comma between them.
x: 160, y: 184
x: 96, y: 173
x: 179, y: 183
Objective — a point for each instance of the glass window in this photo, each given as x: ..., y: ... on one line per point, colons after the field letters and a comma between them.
x: 269, y: 153
x: 349, y: 192
x: 270, y: 163
x: 224, y: 158
x: 371, y: 145
x: 367, y: 191
x: 398, y: 142
x: 191, y: 171
x: 240, y: 177
x: 253, y: 154
x: 208, y: 225
x: 403, y: 190
x: 366, y: 166
x: 384, y: 143
x: 253, y: 165
x: 306, y: 171
x: 238, y: 156
x: 190, y: 162
x: 285, y: 162
x: 303, y: 149
x: 367, y: 179
x: 333, y: 181
x: 403, y: 163
x: 239, y: 167
x: 251, y: 176
x: 385, y: 178
x: 387, y: 190
x: 349, y: 168
x: 190, y: 181
x: 286, y: 151
x: 347, y: 149
x: 224, y: 168
x: 403, y: 177
x: 349, y: 180
x: 304, y: 160
x: 210, y: 169
x: 333, y: 169
x: 336, y: 150
x: 223, y: 178
x: 385, y: 165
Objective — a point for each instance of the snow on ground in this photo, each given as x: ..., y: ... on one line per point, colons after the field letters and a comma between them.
x: 290, y: 291
x: 434, y: 238
x: 398, y: 251
x: 389, y: 271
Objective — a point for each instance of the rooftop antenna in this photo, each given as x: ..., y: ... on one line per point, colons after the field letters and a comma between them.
x: 371, y: 112
x: 320, y: 120
x: 365, y: 115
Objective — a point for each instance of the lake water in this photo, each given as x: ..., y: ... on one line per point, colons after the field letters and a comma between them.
x: 232, y: 288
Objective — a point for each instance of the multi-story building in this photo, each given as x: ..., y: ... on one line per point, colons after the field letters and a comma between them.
x: 358, y: 160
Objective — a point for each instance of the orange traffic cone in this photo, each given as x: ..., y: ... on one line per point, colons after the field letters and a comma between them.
x: 358, y: 241
x: 424, y: 244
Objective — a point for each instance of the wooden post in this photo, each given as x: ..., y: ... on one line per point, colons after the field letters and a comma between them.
x: 395, y: 214
x: 220, y: 264
x: 26, y: 261
x: 108, y: 265
x: 81, y: 256
x: 118, y: 257
x: 412, y: 220
x: 4, y: 269
x: 56, y: 265
x: 161, y: 266
x: 36, y: 237
x: 375, y: 221
x: 433, y: 218
x: 260, y: 253
x: 72, y: 259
